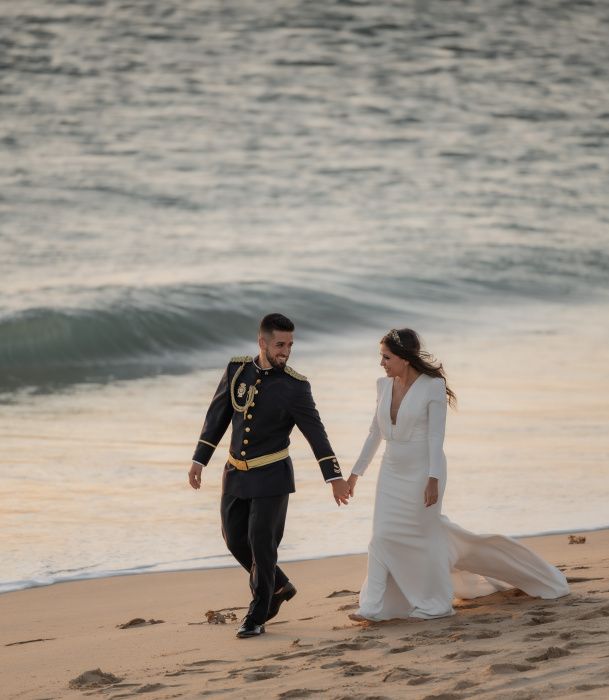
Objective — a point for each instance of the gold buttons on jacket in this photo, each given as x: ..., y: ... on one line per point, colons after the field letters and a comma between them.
x: 258, y: 381
x: 249, y: 416
x: 243, y: 453
x: 247, y: 429
x: 246, y: 442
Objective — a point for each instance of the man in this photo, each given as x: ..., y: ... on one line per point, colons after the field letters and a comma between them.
x: 263, y: 398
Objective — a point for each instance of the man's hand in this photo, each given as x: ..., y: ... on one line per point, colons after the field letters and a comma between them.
x: 194, y: 475
x: 431, y: 492
x: 351, y: 481
x: 340, y: 491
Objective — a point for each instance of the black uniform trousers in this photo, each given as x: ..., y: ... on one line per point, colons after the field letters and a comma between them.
x: 252, y: 529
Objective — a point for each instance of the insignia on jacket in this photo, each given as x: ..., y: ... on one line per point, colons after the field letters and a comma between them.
x: 241, y: 390
x: 294, y: 373
x: 242, y: 358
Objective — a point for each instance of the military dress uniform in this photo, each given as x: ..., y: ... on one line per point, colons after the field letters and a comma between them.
x: 263, y: 406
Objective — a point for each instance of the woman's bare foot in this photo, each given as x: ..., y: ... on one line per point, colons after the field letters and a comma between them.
x: 358, y: 618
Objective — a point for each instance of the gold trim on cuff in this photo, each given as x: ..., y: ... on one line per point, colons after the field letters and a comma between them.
x: 323, y: 459
x: 211, y: 444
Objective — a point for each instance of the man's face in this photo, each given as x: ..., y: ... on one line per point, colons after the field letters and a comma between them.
x: 276, y: 347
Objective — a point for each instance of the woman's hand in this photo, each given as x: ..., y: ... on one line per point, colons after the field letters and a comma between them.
x: 431, y: 492
x: 352, y: 480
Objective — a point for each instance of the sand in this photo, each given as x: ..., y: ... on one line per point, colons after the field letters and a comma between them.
x: 149, y: 636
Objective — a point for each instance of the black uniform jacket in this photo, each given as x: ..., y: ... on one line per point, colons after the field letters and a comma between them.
x: 279, y: 399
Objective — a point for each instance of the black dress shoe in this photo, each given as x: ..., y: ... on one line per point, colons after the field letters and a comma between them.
x: 287, y: 593
x: 249, y: 628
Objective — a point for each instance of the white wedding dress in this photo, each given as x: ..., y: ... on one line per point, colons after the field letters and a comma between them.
x: 418, y: 560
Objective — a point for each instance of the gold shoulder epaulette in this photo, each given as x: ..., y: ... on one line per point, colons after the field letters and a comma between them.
x: 242, y: 358
x: 294, y: 373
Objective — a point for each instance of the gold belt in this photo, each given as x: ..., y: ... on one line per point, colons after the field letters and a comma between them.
x: 245, y: 464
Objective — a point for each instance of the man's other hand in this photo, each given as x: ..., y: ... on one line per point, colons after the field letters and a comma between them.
x: 194, y: 475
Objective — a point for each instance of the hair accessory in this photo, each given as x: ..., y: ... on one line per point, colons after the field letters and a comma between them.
x: 395, y: 336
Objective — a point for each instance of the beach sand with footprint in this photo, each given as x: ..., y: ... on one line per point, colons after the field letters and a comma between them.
x: 173, y: 636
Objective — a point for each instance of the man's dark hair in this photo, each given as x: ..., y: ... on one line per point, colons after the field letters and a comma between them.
x: 275, y: 322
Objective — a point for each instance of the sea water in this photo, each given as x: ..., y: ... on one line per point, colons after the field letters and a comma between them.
x: 171, y: 172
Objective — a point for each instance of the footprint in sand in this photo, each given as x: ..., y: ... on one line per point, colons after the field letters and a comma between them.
x: 588, y: 600
x: 360, y: 644
x: 341, y: 593
x: 468, y: 636
x: 207, y: 662
x: 299, y: 693
x: 550, y: 653
x: 402, y: 649
x: 540, y: 620
x: 540, y: 612
x: 536, y: 636
x: 488, y: 619
x: 486, y: 634
x: 464, y: 685
x: 151, y: 688
x: 582, y: 579
x: 603, y: 611
x: 297, y: 645
x: 196, y: 667
x: 578, y: 633
x: 429, y: 635
x: 409, y: 675
x: 469, y: 654
x: 509, y: 668
x: 362, y: 697
x: 338, y: 664
x: 358, y: 670
x: 262, y: 674
x: 579, y: 645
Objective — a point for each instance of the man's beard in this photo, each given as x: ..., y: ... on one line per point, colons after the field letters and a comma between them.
x: 275, y: 362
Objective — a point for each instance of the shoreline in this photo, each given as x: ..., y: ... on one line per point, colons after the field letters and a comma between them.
x: 320, y: 557
x: 545, y: 648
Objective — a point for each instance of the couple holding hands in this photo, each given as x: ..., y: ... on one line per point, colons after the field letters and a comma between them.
x: 418, y: 560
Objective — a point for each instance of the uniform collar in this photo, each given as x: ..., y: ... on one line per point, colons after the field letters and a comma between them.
x: 263, y: 370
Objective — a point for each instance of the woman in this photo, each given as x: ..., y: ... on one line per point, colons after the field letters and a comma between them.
x: 417, y: 559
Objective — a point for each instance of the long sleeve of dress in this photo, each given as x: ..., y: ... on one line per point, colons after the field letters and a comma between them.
x: 372, y: 442
x: 436, y: 415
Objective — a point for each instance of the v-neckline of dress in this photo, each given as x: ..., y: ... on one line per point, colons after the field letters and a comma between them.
x: 397, y: 413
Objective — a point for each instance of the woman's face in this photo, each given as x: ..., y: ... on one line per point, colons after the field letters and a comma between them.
x: 392, y: 364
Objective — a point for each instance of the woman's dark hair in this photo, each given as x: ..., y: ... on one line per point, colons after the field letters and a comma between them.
x: 275, y: 322
x: 405, y: 343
